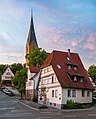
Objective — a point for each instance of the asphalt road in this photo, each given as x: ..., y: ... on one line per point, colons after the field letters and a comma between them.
x: 11, y: 108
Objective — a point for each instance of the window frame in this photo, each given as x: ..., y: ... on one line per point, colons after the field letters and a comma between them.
x: 69, y: 93
x: 74, y: 93
x: 52, y: 93
x: 56, y: 93
x: 83, y: 93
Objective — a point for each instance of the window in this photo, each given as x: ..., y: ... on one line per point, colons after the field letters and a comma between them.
x: 75, y: 78
x: 69, y: 66
x: 52, y: 93
x: 59, y: 67
x: 68, y: 58
x: 81, y: 80
x: 83, y: 93
x: 73, y: 93
x: 88, y: 93
x: 56, y: 93
x: 52, y: 79
x: 7, y: 73
x: 75, y: 67
x: 69, y: 93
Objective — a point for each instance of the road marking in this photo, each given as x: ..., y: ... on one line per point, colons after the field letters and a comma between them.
x: 70, y: 116
x: 28, y: 106
x: 55, y: 114
x: 11, y: 108
x: 45, y: 112
x: 42, y: 117
x: 91, y: 115
x: 26, y: 113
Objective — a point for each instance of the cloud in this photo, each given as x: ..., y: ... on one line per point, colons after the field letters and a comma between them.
x: 7, y: 58
x: 41, y: 6
x: 90, y: 42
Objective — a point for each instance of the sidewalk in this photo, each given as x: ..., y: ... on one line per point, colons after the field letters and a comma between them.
x: 36, y: 106
x: 28, y: 102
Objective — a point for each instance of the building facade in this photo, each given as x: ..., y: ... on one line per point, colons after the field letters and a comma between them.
x: 63, y: 77
x: 32, y: 82
x: 33, y: 72
x: 6, y: 77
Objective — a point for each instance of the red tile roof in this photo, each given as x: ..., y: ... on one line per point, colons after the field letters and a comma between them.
x: 34, y: 69
x: 61, y: 58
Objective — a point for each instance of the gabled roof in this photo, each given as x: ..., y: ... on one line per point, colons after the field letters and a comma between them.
x: 34, y: 69
x: 59, y: 61
x: 8, y: 70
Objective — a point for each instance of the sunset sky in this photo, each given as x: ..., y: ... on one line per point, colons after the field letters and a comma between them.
x: 59, y: 25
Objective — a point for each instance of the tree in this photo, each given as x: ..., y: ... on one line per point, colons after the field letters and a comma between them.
x: 92, y: 72
x: 36, y: 57
x: 2, y: 69
x: 19, y: 80
x: 16, y: 67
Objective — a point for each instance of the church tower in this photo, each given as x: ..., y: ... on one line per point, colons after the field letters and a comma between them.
x: 31, y: 40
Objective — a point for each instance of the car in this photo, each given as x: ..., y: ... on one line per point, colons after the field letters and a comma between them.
x: 94, y: 99
x: 8, y: 92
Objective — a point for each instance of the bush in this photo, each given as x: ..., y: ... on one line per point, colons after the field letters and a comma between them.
x: 72, y: 105
x: 42, y: 107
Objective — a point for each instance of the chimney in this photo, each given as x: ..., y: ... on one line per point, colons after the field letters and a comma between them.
x: 68, y: 52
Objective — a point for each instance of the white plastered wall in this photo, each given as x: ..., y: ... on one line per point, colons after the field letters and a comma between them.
x: 78, y: 98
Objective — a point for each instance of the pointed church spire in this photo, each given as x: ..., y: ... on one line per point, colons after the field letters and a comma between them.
x: 31, y: 36
x: 31, y: 40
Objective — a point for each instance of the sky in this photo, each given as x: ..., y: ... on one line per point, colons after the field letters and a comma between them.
x: 59, y: 25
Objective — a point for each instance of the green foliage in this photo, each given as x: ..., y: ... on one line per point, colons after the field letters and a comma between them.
x: 36, y: 57
x: 4, y: 82
x: 16, y: 67
x: 19, y: 79
x: 94, y: 93
x: 2, y: 69
x: 43, y: 107
x: 92, y: 72
x: 72, y: 105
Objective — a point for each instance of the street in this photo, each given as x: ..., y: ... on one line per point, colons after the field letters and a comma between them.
x: 11, y: 108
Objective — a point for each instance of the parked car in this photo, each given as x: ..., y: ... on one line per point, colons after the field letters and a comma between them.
x: 94, y: 99
x: 8, y: 92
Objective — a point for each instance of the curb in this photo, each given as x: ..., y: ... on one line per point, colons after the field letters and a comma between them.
x: 27, y: 105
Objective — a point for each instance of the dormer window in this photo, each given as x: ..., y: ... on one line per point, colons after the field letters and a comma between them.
x: 69, y: 66
x: 75, y: 67
x: 81, y: 80
x: 75, y: 78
